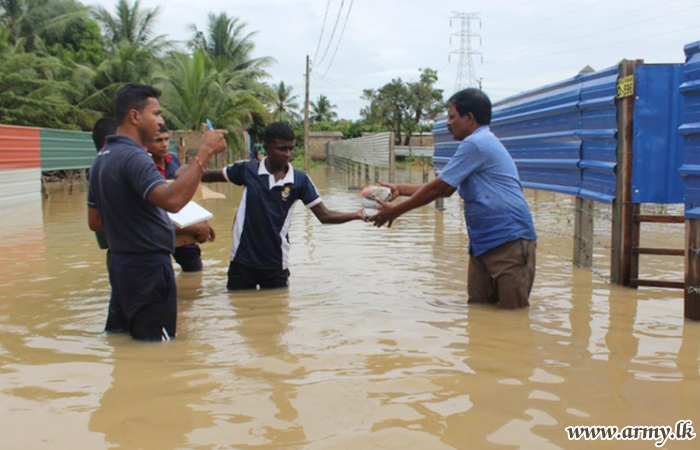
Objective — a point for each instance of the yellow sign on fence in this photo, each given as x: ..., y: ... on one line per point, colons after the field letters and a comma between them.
x: 625, y: 86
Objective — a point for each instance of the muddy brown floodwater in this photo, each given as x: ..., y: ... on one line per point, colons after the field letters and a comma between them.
x: 372, y: 347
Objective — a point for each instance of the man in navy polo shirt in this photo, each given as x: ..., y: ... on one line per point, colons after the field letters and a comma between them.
x: 502, y: 239
x: 260, y: 246
x: 128, y: 199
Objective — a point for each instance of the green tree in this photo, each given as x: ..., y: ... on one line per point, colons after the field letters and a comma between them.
x: 403, y: 107
x: 132, y: 24
x: 285, y: 104
x: 32, y: 92
x: 194, y: 90
x: 322, y: 110
x: 229, y: 46
x: 127, y: 63
x: 30, y: 21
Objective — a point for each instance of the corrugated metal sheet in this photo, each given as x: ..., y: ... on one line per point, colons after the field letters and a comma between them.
x: 539, y: 129
x: 64, y: 149
x: 690, y: 130
x: 19, y: 147
x: 20, y: 176
x: 598, y: 134
x: 20, y: 186
x: 563, y: 137
x: 372, y: 150
x: 658, y: 153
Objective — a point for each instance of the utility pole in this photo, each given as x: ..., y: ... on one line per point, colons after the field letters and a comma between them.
x: 306, y: 119
x: 466, y: 76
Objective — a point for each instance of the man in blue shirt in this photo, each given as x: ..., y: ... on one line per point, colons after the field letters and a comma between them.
x: 128, y: 199
x: 260, y: 245
x: 502, y: 239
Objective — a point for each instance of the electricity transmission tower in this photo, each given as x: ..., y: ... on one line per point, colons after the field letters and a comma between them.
x: 466, y: 76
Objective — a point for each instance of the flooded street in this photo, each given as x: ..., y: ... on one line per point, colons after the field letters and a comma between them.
x: 372, y: 347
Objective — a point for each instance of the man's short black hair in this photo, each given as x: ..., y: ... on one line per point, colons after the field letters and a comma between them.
x: 278, y: 130
x: 163, y: 129
x: 103, y: 128
x: 473, y: 101
x: 132, y: 96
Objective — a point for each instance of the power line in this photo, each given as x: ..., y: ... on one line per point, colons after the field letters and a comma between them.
x: 342, y: 32
x: 320, y: 37
x: 335, y: 25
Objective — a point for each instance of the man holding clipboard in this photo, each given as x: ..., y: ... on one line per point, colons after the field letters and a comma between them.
x: 128, y: 199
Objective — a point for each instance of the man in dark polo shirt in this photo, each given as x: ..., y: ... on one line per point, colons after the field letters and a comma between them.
x: 128, y: 199
x: 260, y: 245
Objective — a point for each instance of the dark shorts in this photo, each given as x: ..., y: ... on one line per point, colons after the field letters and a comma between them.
x: 242, y: 277
x: 503, y: 275
x: 144, y: 296
x: 189, y: 257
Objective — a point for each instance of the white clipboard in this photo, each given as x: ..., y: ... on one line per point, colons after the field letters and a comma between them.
x: 191, y: 214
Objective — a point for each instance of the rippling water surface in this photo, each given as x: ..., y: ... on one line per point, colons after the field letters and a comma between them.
x: 372, y: 347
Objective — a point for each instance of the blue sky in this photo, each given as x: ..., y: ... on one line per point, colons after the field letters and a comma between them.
x: 524, y: 43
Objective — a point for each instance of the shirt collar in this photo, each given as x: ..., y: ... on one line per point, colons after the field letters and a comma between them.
x: 121, y: 139
x: 288, y: 178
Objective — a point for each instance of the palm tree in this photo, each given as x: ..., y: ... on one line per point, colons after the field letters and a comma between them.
x: 228, y: 45
x: 127, y: 63
x: 132, y: 24
x: 285, y: 106
x: 193, y: 91
x: 30, y: 21
x: 322, y: 110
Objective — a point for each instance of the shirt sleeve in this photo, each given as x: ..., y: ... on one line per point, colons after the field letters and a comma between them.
x: 309, y: 194
x: 91, y: 196
x: 235, y: 173
x: 142, y: 174
x: 466, y: 160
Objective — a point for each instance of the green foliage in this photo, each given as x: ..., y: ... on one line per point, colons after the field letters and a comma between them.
x: 32, y: 92
x: 82, y: 43
x: 193, y: 91
x: 33, y: 21
x: 285, y: 106
x: 322, y: 110
x: 133, y: 25
x: 404, y: 107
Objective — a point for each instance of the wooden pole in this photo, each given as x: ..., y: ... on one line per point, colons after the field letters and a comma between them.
x: 623, y: 215
x: 583, y: 233
x: 691, y: 298
x: 306, y: 118
x: 391, y: 158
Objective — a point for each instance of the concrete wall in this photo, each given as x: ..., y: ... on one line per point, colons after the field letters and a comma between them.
x: 318, y: 141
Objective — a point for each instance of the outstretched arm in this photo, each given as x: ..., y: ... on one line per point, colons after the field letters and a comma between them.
x: 325, y: 215
x: 425, y: 194
x: 213, y: 176
x: 404, y: 189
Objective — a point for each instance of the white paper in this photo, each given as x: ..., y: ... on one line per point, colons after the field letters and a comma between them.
x: 189, y: 215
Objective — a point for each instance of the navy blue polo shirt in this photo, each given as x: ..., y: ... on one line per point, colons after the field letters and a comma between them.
x: 121, y: 178
x: 261, y: 228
